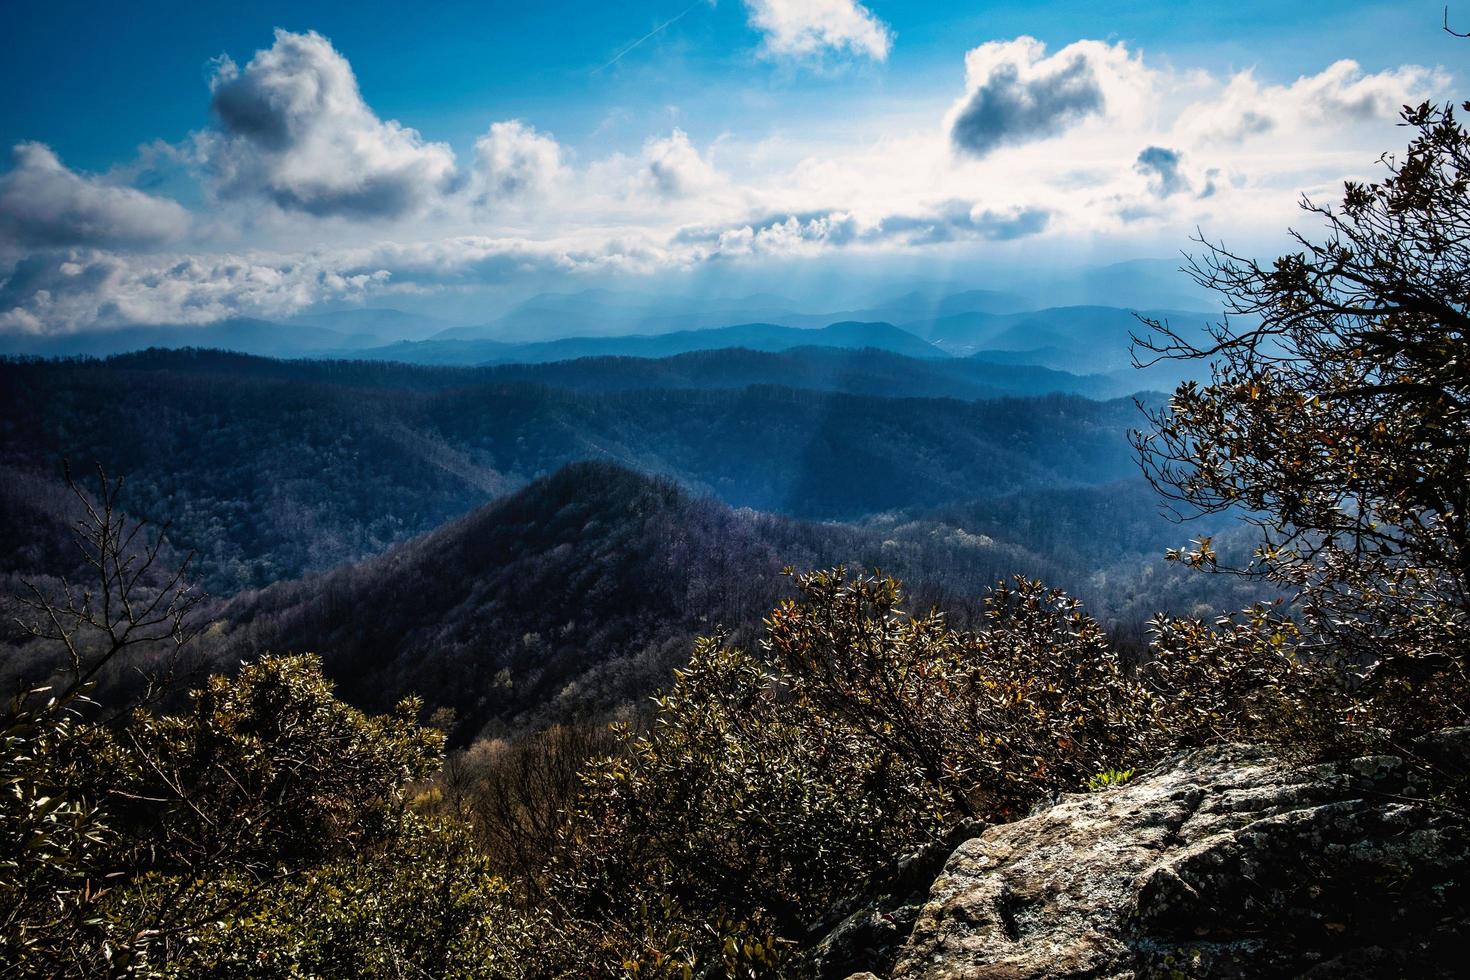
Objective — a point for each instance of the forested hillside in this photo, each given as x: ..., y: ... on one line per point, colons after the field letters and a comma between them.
x: 859, y: 372
x: 579, y: 594
x: 572, y: 597
x: 269, y: 470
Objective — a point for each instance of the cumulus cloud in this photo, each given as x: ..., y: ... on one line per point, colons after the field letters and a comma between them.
x: 43, y: 204
x: 513, y: 160
x: 673, y: 168
x: 294, y: 129
x: 1015, y: 93
x: 802, y: 28
x: 1162, y: 168
x: 1340, y: 94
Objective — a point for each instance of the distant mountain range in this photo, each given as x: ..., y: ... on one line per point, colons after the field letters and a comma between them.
x: 1134, y: 284
x: 867, y: 371
x: 595, y: 313
x: 1082, y: 339
x: 242, y: 334
x: 380, y: 325
x: 1071, y: 338
x: 312, y: 334
x: 850, y: 335
x: 275, y: 468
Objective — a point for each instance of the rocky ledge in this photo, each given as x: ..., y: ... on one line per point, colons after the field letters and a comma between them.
x: 1226, y: 862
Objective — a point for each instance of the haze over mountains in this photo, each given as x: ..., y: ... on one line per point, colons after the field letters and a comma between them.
x: 851, y: 335
x: 1050, y: 327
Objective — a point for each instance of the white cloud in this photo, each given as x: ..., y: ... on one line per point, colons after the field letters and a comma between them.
x: 1015, y: 93
x: 80, y: 289
x: 514, y: 160
x: 803, y: 28
x: 86, y: 288
x: 673, y: 168
x: 1340, y: 95
x: 294, y: 129
x: 43, y: 205
x: 951, y: 221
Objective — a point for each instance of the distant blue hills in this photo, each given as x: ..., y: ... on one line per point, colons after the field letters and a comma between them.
x: 1080, y: 340
x: 850, y: 335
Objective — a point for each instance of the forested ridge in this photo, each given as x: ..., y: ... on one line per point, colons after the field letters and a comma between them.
x: 575, y: 597
x: 268, y: 470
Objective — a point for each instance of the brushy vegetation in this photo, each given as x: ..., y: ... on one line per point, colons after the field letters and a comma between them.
x: 271, y: 830
x: 1337, y: 420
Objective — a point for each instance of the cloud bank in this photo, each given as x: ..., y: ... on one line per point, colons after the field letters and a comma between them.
x: 387, y: 212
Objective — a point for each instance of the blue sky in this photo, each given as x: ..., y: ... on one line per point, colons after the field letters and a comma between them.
x: 465, y: 148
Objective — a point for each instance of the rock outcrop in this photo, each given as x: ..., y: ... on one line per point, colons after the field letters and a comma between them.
x: 867, y: 931
x: 1226, y: 862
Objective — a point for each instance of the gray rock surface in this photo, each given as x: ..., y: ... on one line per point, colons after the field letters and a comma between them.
x: 867, y: 931
x: 1225, y: 862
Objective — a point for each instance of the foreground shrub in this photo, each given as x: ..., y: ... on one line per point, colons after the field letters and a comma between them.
x: 517, y: 793
x: 728, y: 827
x: 770, y: 787
x: 1036, y: 702
x: 53, y: 843
x: 420, y: 902
x: 267, y: 832
x: 300, y: 775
